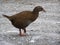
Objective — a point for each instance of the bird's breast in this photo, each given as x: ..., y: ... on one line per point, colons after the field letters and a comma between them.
x: 28, y: 22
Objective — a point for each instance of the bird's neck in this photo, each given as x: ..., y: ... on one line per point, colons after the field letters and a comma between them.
x: 35, y: 15
x: 35, y: 12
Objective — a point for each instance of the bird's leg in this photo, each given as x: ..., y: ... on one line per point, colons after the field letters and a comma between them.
x: 24, y: 33
x: 21, y: 34
x: 24, y: 30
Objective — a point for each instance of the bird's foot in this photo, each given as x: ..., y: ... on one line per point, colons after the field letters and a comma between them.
x: 22, y: 34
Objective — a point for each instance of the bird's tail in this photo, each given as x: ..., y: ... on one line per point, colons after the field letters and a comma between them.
x: 6, y: 16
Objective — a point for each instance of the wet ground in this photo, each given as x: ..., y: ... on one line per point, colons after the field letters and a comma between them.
x: 46, y: 29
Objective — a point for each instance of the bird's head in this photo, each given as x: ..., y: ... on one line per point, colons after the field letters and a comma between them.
x: 38, y: 9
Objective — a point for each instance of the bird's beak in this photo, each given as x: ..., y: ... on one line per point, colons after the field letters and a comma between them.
x: 44, y: 10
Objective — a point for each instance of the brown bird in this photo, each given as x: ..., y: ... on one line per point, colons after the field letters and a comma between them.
x: 23, y: 19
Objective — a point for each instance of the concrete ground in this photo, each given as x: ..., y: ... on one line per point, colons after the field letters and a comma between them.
x: 46, y: 29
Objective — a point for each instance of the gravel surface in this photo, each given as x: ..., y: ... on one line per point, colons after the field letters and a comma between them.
x: 44, y: 31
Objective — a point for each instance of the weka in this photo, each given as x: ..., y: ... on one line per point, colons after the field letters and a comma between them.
x: 23, y: 19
